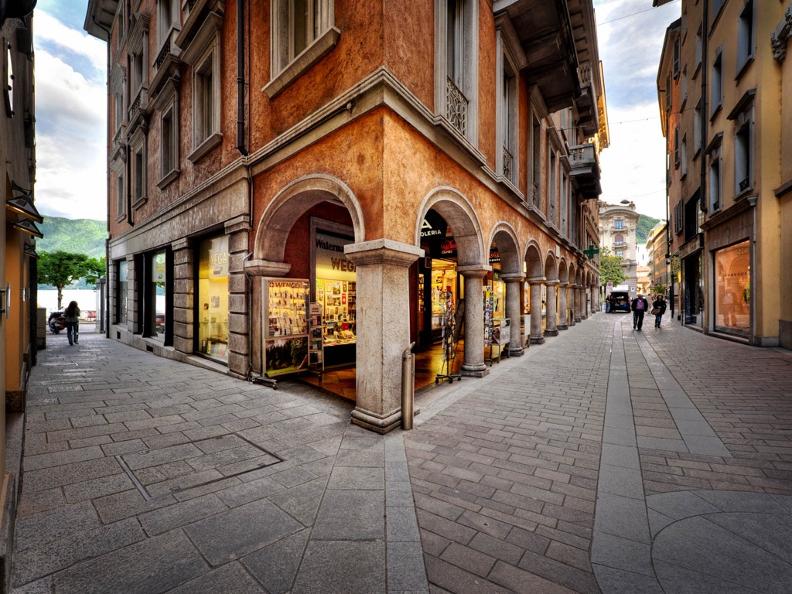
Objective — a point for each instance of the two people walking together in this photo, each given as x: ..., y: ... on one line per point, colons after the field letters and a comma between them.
x: 640, y: 305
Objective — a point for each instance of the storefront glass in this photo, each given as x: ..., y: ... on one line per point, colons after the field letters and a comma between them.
x: 733, y: 289
x: 159, y: 280
x: 444, y: 289
x: 213, y: 298
x: 122, y: 289
x: 693, y: 290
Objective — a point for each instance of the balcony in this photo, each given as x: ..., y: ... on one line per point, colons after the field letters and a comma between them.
x: 166, y: 64
x: 619, y: 244
x: 137, y: 110
x: 586, y: 104
x: 456, y: 107
x: 545, y: 34
x: 584, y: 170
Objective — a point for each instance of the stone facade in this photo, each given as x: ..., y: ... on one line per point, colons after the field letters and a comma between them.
x: 617, y: 226
x: 368, y: 129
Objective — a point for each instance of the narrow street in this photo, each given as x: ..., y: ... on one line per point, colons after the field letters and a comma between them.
x: 603, y: 459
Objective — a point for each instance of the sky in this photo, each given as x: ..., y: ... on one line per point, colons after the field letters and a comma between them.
x: 71, y: 107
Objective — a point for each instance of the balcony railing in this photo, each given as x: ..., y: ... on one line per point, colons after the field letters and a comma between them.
x: 456, y: 107
x: 584, y: 169
x: 508, y: 163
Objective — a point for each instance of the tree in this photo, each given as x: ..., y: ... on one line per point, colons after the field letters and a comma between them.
x: 611, y: 270
x: 61, y: 269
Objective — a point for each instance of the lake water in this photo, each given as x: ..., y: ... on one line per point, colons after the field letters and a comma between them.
x: 87, y: 299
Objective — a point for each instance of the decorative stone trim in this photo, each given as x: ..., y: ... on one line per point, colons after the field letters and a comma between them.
x: 780, y: 37
x: 310, y: 56
x: 383, y: 251
x: 266, y: 268
x: 206, y: 146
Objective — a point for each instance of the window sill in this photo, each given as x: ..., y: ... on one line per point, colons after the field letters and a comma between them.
x: 167, y: 179
x: 121, y: 217
x: 716, y: 111
x: 697, y: 153
x: 207, y: 145
x: 744, y: 194
x: 309, y: 56
x: 139, y: 202
x: 744, y: 68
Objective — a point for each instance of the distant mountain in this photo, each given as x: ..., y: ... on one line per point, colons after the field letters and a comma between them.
x: 80, y: 236
x: 645, y: 224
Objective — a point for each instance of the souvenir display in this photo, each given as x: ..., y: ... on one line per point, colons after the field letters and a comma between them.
x: 286, y: 327
x: 337, y: 300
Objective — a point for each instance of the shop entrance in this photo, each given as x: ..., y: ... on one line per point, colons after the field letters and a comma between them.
x: 693, y: 290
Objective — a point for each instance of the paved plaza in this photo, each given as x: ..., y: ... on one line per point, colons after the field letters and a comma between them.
x: 603, y: 460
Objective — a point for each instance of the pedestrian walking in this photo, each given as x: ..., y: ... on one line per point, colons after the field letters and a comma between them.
x: 72, y: 315
x: 658, y: 309
x: 639, y: 306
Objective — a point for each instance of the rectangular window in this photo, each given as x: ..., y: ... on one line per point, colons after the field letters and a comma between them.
x: 715, y: 184
x: 212, y: 315
x: 668, y: 94
x: 138, y: 192
x: 676, y: 57
x: 166, y: 18
x: 683, y: 157
x: 699, y: 47
x: 170, y: 142
x: 691, y: 218
x: 536, y: 171
x: 508, y: 123
x: 122, y: 291
x: 733, y: 289
x: 698, y: 128
x: 119, y: 110
x: 204, y: 101
x: 742, y: 158
x: 296, y: 25
x: 551, y: 186
x: 618, y: 223
x: 716, y: 83
x: 120, y: 197
x: 676, y: 148
x: 745, y: 36
x: 564, y: 204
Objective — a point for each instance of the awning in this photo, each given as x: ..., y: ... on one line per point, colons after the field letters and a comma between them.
x: 28, y: 227
x: 21, y: 203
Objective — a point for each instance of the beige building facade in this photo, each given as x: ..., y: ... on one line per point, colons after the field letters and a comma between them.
x: 618, y: 224
x: 721, y: 89
x: 657, y: 249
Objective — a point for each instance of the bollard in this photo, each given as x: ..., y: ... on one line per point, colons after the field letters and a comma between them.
x: 408, y: 387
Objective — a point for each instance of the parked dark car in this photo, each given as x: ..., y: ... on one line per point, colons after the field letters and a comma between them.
x: 56, y: 322
x: 619, y: 301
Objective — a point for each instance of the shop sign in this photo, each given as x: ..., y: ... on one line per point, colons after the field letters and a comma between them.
x: 331, y: 262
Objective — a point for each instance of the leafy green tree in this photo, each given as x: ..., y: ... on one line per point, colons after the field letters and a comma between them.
x: 60, y: 269
x: 610, y: 267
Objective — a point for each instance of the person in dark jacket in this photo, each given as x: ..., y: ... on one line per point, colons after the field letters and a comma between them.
x: 658, y: 309
x: 72, y: 315
x: 639, y: 306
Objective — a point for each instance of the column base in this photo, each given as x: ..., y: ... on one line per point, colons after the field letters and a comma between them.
x: 537, y: 339
x: 577, y: 319
x: 562, y: 327
x: 551, y: 332
x: 479, y: 370
x: 374, y: 422
x: 518, y: 352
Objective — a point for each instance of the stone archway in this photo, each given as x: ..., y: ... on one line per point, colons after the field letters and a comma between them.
x: 571, y: 292
x: 505, y: 239
x: 551, y: 303
x: 472, y: 264
x: 534, y: 269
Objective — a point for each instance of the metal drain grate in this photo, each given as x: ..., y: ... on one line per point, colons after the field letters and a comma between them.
x: 160, y: 471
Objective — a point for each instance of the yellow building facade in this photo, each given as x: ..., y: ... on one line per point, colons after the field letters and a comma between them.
x: 722, y: 82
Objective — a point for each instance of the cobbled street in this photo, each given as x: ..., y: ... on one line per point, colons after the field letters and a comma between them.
x: 604, y: 459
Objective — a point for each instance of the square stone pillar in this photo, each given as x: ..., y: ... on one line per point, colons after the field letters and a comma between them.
x: 570, y: 291
x: 473, y: 365
x: 578, y: 307
x: 383, y: 328
x: 562, y: 306
x: 238, y: 231
x: 551, y: 329
x: 536, y: 310
x: 514, y: 286
x: 132, y: 294
x: 183, y: 295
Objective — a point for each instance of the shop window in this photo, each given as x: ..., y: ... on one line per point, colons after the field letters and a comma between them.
x: 158, y: 296
x: 733, y: 289
x: 212, y: 315
x: 122, y: 291
x: 456, y: 83
x: 745, y: 36
x: 716, y: 84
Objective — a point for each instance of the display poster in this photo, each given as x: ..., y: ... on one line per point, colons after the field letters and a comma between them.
x: 488, y: 311
x: 329, y: 257
x: 315, y: 352
x: 286, y: 329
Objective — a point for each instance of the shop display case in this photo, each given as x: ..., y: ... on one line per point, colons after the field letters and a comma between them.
x: 285, y: 315
x: 444, y: 281
x: 338, y: 300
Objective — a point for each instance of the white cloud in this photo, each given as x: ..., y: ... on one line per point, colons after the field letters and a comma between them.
x: 70, y: 144
x: 48, y: 28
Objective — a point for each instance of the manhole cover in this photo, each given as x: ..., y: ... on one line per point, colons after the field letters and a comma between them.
x: 184, y: 466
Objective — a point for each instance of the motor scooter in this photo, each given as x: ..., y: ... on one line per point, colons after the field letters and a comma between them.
x: 56, y: 322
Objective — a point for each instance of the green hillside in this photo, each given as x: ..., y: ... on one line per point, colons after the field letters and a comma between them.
x: 645, y: 224
x: 80, y: 236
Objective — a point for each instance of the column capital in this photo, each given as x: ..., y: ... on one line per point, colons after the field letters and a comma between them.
x: 383, y: 251
x: 513, y: 277
x: 552, y: 283
x: 266, y: 268
x: 536, y: 280
x: 474, y: 270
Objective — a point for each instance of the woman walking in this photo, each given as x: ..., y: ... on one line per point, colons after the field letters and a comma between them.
x: 72, y: 315
x: 658, y: 309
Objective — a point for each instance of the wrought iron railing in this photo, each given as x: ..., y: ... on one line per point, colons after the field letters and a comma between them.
x: 456, y: 106
x: 508, y: 163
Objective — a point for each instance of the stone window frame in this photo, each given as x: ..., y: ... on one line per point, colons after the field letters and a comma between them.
x: 285, y: 65
x: 175, y: 21
x: 507, y: 115
x: 168, y: 103
x: 118, y: 170
x: 746, y: 48
x: 683, y: 157
x: 470, y: 67
x: 716, y: 103
x: 744, y: 122
x: 715, y: 186
x: 208, y: 59
x: 534, y: 164
x: 138, y: 145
